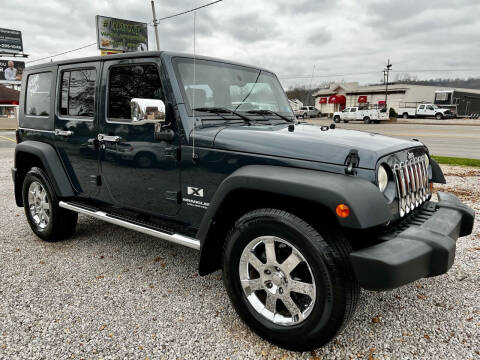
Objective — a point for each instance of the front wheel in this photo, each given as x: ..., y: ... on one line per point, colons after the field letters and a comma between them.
x: 47, y: 220
x: 366, y: 120
x: 439, y: 116
x: 292, y: 285
x: 305, y: 116
x: 336, y: 119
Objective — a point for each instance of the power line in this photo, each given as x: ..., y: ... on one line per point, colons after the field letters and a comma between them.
x: 62, y: 53
x: 293, y: 77
x: 188, y: 11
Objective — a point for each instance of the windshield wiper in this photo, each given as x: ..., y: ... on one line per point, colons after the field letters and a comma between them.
x: 269, y: 112
x: 222, y: 110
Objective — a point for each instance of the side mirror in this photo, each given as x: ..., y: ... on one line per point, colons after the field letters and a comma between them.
x: 147, y: 111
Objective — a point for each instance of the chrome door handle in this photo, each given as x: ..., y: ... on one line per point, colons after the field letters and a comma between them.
x: 59, y: 132
x: 108, y: 138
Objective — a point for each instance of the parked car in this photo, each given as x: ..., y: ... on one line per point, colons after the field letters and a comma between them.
x: 306, y: 112
x: 424, y: 110
x: 355, y: 113
x: 297, y: 216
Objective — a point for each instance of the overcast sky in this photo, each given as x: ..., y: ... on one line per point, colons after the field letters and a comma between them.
x: 340, y: 38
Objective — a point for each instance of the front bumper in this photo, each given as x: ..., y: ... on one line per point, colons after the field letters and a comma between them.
x: 423, y: 246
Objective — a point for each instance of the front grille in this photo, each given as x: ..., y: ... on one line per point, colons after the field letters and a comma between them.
x: 411, y: 178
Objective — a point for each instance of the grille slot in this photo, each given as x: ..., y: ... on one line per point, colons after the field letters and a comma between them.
x: 411, y: 178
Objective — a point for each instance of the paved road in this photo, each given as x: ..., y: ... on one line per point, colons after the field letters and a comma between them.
x: 444, y: 140
x: 7, y: 139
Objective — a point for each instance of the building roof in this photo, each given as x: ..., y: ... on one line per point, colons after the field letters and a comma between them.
x: 354, y: 89
x: 8, y: 95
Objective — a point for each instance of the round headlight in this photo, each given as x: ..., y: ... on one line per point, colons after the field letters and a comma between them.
x: 382, y: 177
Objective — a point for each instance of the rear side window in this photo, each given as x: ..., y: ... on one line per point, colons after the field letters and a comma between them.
x: 78, y: 93
x: 131, y: 81
x: 37, y: 102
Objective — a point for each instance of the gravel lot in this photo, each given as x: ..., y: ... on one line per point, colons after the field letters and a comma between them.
x: 111, y: 293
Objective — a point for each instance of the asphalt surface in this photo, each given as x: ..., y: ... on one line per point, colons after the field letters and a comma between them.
x: 443, y: 140
x: 111, y: 293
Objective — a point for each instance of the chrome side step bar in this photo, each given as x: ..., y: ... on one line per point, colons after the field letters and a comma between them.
x: 174, y: 238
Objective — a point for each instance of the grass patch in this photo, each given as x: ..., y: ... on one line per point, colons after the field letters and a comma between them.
x: 447, y: 160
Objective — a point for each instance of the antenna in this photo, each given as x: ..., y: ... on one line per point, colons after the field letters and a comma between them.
x: 194, y: 155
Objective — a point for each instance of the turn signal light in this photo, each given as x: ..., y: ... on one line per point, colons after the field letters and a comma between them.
x: 343, y: 211
x: 431, y: 188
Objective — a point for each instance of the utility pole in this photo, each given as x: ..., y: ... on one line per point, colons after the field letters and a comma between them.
x: 155, y: 24
x: 386, y: 73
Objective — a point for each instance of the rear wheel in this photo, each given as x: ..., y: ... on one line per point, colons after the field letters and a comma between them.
x: 305, y: 116
x: 366, y: 120
x: 439, y: 116
x: 47, y: 220
x: 292, y: 285
x: 405, y: 115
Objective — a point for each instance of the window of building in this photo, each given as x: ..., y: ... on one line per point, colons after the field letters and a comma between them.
x: 78, y: 93
x: 129, y: 82
x: 37, y: 101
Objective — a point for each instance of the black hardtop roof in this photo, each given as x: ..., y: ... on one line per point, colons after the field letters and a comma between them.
x: 132, y: 55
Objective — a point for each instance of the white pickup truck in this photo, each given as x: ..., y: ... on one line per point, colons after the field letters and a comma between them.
x: 356, y: 113
x: 424, y: 110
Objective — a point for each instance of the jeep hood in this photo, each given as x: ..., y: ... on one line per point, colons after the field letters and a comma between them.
x: 305, y: 142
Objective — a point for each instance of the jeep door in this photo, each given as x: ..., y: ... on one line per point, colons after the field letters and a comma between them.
x: 76, y: 124
x: 140, y: 172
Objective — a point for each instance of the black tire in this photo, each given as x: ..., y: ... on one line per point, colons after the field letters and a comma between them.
x: 61, y: 223
x: 304, y: 116
x: 336, y: 119
x: 345, y: 121
x: 366, y: 120
x: 439, y: 116
x: 405, y: 115
x: 376, y: 121
x: 326, y: 254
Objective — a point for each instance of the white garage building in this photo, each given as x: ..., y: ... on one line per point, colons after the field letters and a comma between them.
x: 341, y: 95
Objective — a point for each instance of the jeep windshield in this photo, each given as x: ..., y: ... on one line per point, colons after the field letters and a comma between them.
x: 239, y: 89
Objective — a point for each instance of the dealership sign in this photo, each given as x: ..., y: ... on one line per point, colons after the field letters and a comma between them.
x: 10, y: 41
x: 121, y: 35
x: 11, y: 71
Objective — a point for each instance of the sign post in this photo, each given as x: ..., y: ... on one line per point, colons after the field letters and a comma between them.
x: 121, y: 35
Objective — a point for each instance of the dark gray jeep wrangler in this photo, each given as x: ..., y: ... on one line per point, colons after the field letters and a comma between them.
x: 206, y: 153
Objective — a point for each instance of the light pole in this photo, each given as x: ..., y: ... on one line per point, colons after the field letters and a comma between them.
x: 155, y: 24
x: 386, y: 73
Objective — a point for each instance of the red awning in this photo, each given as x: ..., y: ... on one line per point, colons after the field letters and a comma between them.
x: 322, y: 100
x: 381, y: 102
x: 362, y: 99
x: 9, y: 96
x: 337, y: 99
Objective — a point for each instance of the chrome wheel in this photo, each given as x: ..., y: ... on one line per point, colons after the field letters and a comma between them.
x: 277, y: 280
x: 39, y: 205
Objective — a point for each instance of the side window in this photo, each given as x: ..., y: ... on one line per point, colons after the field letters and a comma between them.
x: 37, y: 102
x: 422, y: 107
x: 353, y: 110
x: 78, y: 93
x: 430, y: 107
x: 131, y: 81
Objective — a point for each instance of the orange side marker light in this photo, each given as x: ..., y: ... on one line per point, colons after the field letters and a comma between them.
x: 343, y: 211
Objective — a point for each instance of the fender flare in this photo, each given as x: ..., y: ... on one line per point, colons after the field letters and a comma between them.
x: 51, y: 164
x: 326, y: 189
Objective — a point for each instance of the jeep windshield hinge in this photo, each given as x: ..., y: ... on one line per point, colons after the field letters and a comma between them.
x: 352, y: 161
